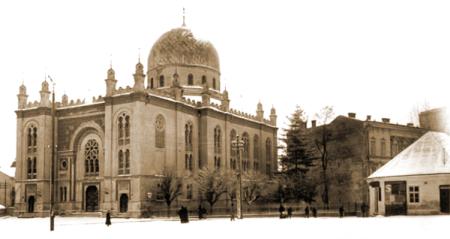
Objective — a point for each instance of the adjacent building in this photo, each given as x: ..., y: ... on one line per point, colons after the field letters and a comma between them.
x: 6, y: 191
x: 435, y: 119
x: 357, y: 148
x: 112, y: 152
x: 416, y: 181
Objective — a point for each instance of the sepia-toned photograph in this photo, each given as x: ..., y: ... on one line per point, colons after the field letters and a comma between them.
x: 223, y: 119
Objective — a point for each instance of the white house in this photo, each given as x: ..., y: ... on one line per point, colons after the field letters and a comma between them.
x: 416, y: 181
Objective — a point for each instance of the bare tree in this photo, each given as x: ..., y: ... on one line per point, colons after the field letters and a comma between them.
x: 212, y: 184
x: 416, y: 110
x: 254, y: 187
x: 170, y: 187
x: 321, y: 142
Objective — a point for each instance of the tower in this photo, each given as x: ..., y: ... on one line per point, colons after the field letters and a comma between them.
x: 22, y: 97
x: 273, y: 116
x: 45, y: 94
x: 139, y: 78
x: 110, y: 82
x: 259, y: 112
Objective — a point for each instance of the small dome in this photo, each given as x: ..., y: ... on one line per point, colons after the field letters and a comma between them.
x: 178, y: 46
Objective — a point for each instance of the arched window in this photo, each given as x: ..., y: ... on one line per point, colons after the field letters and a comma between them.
x: 31, y: 168
x: 188, y: 128
x: 123, y: 127
x: 151, y: 83
x: 160, y: 132
x: 32, y: 139
x: 232, y: 150
x: 127, y: 161
x: 394, y: 147
x: 121, y: 162
x: 268, y: 156
x: 217, y: 147
x: 245, y: 152
x: 91, y: 162
x: 203, y: 79
x: 383, y: 147
x: 373, y: 146
x: 256, y: 153
x: 190, y: 79
x: 214, y: 83
x: 161, y: 81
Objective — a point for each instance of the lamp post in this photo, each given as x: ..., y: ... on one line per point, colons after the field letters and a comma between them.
x: 238, y: 144
x: 52, y: 164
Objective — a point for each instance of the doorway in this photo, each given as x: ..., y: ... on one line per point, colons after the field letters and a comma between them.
x: 31, y: 201
x: 91, y: 199
x: 123, y: 202
x: 444, y: 198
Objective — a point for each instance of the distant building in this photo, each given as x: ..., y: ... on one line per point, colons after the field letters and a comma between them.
x: 6, y: 190
x: 356, y: 149
x: 416, y: 181
x: 436, y: 120
x: 111, y: 153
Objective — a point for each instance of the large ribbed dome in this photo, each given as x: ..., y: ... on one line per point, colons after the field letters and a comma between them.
x: 178, y: 46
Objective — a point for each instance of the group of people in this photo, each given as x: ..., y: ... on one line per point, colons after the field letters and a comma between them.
x: 313, y: 210
x: 281, y: 210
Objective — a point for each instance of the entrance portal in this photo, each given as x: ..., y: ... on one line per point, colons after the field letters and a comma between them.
x: 123, y: 203
x: 444, y: 198
x: 91, y: 199
x: 30, y: 204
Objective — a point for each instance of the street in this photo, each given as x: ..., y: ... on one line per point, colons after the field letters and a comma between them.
x: 349, y: 227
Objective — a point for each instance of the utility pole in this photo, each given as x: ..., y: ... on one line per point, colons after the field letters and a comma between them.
x: 237, y: 145
x: 52, y: 164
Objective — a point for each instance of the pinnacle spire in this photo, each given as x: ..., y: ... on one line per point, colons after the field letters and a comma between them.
x: 184, y: 18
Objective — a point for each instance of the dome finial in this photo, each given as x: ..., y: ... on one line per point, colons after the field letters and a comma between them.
x: 184, y: 18
x: 110, y: 61
x: 139, y: 55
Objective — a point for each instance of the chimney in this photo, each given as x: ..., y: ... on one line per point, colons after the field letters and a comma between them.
x: 313, y: 123
x: 385, y: 120
x: 369, y: 117
x: 352, y: 115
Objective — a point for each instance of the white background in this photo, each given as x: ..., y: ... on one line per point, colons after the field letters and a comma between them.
x: 379, y: 58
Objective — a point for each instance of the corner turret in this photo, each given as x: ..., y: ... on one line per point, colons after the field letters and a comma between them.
x: 110, y: 82
x: 22, y: 97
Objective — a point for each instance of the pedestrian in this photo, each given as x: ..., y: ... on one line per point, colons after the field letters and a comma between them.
x: 281, y: 210
x: 185, y: 215
x: 363, y: 209
x: 307, y: 211
x: 314, y: 212
x: 232, y: 212
x: 341, y: 211
x: 289, y: 212
x: 204, y: 212
x: 200, y: 212
x: 108, y: 219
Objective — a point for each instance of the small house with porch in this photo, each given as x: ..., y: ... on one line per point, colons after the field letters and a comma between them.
x: 416, y: 181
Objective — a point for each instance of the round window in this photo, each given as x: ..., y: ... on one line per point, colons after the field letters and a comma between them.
x: 64, y: 164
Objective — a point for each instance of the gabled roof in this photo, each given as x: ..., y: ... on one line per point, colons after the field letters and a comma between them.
x: 430, y: 154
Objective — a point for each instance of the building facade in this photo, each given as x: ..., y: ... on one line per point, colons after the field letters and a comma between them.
x: 356, y: 148
x: 6, y: 191
x: 112, y: 153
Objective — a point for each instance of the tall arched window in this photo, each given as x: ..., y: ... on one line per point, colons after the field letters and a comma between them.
x: 217, y: 147
x: 151, y: 83
x: 268, y: 156
x: 373, y: 146
x: 214, y: 83
x: 32, y: 139
x: 121, y: 162
x: 383, y: 147
x: 190, y: 79
x: 91, y: 162
x: 188, y: 128
x: 245, y: 152
x: 124, y: 143
x: 127, y: 161
x: 161, y: 81
x: 203, y: 79
x: 394, y: 147
x: 31, y: 152
x: 160, y: 132
x: 232, y: 150
x: 256, y: 156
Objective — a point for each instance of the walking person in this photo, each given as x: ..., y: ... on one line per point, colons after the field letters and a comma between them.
x: 232, y: 216
x: 108, y: 219
x: 314, y: 212
x: 307, y: 211
x: 281, y: 210
x: 341, y: 211
x: 289, y: 212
